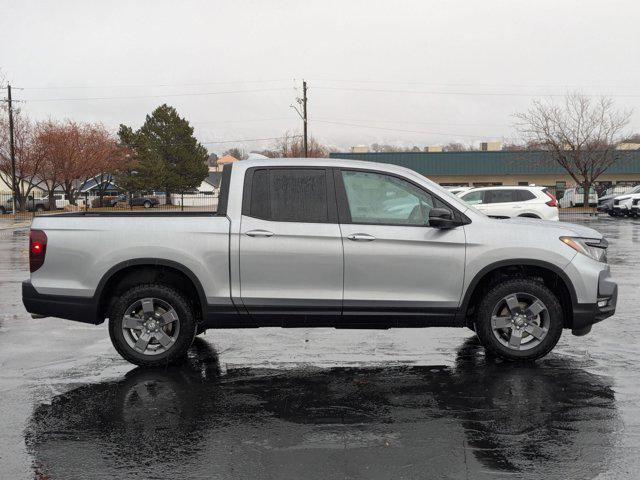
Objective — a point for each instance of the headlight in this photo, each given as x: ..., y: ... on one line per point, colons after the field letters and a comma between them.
x: 591, y: 247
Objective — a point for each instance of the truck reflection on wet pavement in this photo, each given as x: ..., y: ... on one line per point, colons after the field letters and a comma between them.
x: 319, y: 403
x: 477, y: 418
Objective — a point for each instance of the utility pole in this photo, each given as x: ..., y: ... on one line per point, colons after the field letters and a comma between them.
x: 304, y: 117
x: 303, y: 101
x: 12, y: 151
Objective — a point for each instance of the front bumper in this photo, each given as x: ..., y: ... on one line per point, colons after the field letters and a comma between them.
x: 586, y: 314
x: 605, y: 206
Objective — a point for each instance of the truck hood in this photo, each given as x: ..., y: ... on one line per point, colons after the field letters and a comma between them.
x: 561, y: 228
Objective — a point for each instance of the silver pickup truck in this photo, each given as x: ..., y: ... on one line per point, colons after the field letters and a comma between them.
x: 319, y: 243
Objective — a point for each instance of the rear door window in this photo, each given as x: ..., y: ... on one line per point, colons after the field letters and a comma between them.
x: 524, y: 195
x: 289, y: 195
x: 500, y: 196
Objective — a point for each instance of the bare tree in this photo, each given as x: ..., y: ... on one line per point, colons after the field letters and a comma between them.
x: 580, y: 134
x: 291, y: 146
x: 453, y: 147
x: 28, y: 163
x: 236, y: 152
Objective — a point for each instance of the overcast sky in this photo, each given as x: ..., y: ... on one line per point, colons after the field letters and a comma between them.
x: 405, y: 72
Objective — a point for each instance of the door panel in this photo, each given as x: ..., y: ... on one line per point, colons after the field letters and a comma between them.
x: 290, y: 266
x: 394, y: 262
x: 403, y: 268
x: 290, y: 244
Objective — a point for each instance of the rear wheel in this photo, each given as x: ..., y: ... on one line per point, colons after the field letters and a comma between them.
x: 147, y: 204
x: 2, y: 210
x: 152, y: 325
x: 520, y: 319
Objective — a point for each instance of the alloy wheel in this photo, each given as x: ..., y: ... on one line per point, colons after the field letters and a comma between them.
x: 150, y: 326
x: 520, y: 321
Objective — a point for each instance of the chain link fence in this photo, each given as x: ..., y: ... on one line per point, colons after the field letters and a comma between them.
x: 85, y: 202
x: 570, y: 203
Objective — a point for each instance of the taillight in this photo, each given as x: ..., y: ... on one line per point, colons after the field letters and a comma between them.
x: 553, y: 202
x: 37, y: 249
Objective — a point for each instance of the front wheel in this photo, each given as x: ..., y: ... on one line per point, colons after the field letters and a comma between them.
x: 520, y: 319
x: 147, y: 204
x: 152, y: 325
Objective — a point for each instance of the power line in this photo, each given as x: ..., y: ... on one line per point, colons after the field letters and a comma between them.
x: 250, y: 139
x: 250, y: 120
x: 131, y: 97
x: 411, y: 122
x: 471, y: 94
x: 493, y: 85
x: 157, y: 85
x: 448, y: 134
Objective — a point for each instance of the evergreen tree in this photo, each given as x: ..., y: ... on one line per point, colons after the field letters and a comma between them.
x: 167, y: 155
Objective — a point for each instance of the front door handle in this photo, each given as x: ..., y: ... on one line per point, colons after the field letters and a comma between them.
x: 361, y: 237
x: 259, y: 233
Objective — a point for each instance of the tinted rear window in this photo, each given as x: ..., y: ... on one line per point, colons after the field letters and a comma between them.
x: 524, y: 195
x: 289, y: 195
x: 500, y: 196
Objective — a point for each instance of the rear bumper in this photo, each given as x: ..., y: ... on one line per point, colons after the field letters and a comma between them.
x: 80, y: 309
x: 586, y: 314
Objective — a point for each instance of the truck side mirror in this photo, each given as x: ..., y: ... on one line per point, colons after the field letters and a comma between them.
x: 442, y: 218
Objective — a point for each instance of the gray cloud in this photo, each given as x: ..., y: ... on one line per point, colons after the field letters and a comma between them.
x: 413, y: 72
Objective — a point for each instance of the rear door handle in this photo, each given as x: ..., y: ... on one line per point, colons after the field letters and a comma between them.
x: 361, y: 237
x: 259, y: 233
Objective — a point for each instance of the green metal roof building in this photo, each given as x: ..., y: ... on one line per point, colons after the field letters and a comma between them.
x: 500, y: 167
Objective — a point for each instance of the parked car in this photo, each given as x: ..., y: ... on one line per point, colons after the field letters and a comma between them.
x: 319, y: 243
x: 106, y: 201
x: 574, y: 197
x: 32, y: 204
x: 144, y: 201
x: 626, y: 204
x: 509, y: 202
x: 605, y: 202
x: 458, y: 190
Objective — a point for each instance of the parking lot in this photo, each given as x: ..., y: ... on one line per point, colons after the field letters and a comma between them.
x: 320, y: 403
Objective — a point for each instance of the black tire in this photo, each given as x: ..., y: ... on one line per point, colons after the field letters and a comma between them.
x: 39, y: 208
x: 187, y: 325
x: 2, y: 211
x: 525, y: 286
x: 147, y: 204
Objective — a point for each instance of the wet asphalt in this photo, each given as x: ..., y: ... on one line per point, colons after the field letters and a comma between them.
x: 319, y: 403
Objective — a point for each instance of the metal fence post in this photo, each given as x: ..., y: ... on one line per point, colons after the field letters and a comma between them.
x: 182, y: 201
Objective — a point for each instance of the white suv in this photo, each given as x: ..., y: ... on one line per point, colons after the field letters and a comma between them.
x: 628, y: 204
x: 508, y: 202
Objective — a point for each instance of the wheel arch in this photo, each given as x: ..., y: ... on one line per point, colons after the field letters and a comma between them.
x: 149, y: 270
x: 551, y: 275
